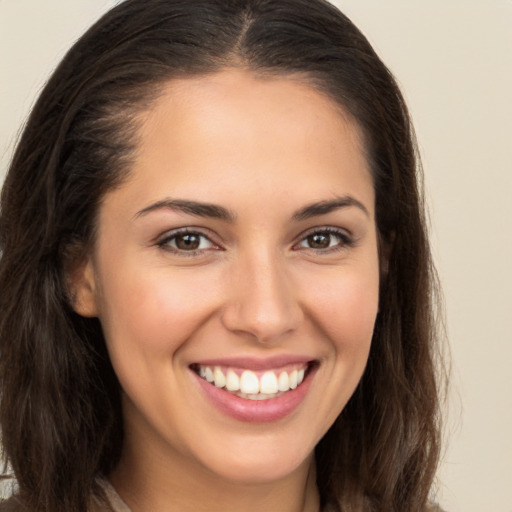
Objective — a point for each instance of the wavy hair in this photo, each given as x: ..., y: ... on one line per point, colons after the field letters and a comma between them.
x: 60, y: 411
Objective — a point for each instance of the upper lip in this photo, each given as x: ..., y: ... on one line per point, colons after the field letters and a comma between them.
x: 256, y: 363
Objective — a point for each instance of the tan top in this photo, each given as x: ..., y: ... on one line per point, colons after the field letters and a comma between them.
x: 118, y: 505
x: 114, y: 504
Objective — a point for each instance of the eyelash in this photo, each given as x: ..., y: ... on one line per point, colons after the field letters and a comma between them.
x: 344, y: 241
x: 165, y: 242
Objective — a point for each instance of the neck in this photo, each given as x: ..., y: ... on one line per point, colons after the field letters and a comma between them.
x: 150, y: 481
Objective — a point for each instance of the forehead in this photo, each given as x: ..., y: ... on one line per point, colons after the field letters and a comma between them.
x: 235, y: 102
x: 216, y: 135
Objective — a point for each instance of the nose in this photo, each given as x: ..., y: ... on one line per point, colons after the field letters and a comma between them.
x: 262, y: 300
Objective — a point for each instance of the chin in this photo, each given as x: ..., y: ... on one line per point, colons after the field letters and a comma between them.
x: 258, y: 464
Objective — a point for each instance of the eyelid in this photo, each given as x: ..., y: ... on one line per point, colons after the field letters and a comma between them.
x: 163, y: 240
x: 345, y: 235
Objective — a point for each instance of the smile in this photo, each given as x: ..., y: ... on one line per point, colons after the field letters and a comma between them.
x: 254, y: 385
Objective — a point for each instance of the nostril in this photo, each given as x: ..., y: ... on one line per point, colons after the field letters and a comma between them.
x: 264, y: 321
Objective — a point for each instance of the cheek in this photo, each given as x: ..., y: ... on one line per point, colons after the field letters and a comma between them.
x: 346, y: 306
x: 147, y: 318
x: 152, y: 312
x: 343, y: 305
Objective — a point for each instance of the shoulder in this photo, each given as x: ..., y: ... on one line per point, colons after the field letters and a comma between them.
x: 12, y: 504
x: 107, y: 500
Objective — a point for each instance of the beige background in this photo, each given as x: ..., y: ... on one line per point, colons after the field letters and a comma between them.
x: 453, y: 59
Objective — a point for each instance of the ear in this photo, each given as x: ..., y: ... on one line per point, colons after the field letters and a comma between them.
x: 83, y: 290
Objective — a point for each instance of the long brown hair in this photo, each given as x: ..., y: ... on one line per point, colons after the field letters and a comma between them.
x: 60, y: 410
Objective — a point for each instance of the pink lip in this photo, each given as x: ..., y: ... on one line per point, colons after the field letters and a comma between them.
x: 255, y: 364
x: 256, y: 411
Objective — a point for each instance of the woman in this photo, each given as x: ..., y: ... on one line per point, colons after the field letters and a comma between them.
x: 216, y: 284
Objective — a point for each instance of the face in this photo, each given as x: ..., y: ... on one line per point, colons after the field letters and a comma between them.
x: 236, y: 275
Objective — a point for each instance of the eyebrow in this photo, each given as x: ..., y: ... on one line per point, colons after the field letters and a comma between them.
x: 219, y: 212
x: 325, y: 207
x: 190, y: 207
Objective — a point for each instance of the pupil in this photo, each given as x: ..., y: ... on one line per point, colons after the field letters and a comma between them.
x: 187, y: 242
x: 318, y: 241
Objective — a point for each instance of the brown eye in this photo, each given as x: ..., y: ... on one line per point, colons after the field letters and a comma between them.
x: 186, y: 242
x: 325, y: 239
x: 319, y: 240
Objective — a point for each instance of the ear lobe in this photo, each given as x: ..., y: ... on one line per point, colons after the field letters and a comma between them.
x: 82, y: 287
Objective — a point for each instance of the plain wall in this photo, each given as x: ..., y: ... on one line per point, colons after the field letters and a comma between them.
x: 453, y: 59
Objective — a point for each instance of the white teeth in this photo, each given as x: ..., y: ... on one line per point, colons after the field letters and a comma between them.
x: 268, y: 383
x: 293, y: 379
x: 232, y: 381
x: 283, y: 382
x: 249, y: 383
x: 219, y: 378
x: 208, y: 374
x: 259, y: 396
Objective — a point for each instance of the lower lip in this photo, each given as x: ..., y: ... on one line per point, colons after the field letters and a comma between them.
x: 256, y: 411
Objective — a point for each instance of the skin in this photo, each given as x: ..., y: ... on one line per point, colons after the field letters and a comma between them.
x: 263, y: 149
